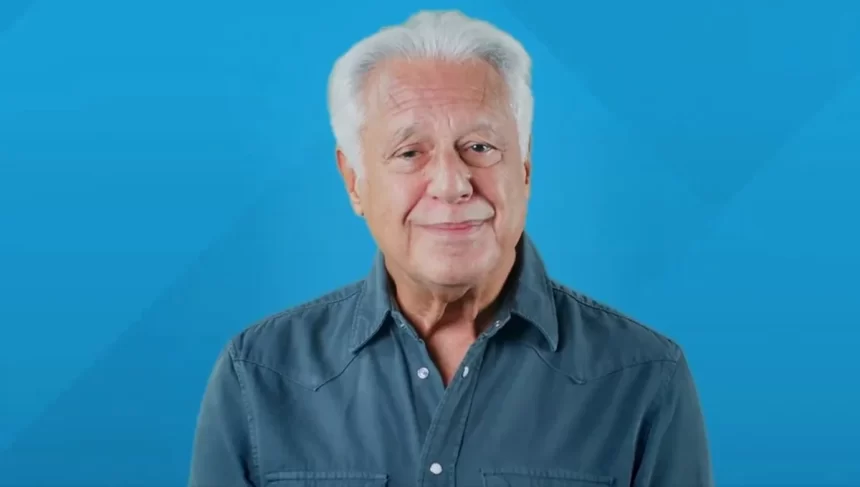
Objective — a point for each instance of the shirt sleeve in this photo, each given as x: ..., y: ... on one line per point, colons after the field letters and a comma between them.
x: 675, y: 450
x: 222, y: 453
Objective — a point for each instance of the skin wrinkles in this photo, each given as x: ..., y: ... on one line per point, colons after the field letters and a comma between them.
x: 440, y: 144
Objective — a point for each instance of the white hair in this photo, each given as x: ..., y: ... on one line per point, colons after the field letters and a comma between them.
x: 448, y: 35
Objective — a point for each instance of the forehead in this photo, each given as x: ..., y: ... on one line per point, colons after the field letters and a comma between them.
x: 416, y: 90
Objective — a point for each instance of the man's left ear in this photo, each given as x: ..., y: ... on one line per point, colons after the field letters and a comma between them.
x: 527, y: 165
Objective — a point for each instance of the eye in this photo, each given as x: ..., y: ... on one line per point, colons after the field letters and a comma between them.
x: 481, y: 148
x: 407, y: 160
x: 409, y: 154
x: 480, y: 154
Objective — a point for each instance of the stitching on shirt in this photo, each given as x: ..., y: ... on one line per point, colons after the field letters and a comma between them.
x: 582, y: 380
x: 668, y: 379
x: 313, y: 387
x: 252, y: 433
x: 598, y: 306
x: 279, y: 373
x: 329, y: 299
x: 635, y: 364
x: 325, y: 300
x: 659, y: 397
x: 336, y: 374
x: 661, y: 394
x: 353, y: 334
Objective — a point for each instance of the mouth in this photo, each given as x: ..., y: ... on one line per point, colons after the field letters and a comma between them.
x: 458, y: 229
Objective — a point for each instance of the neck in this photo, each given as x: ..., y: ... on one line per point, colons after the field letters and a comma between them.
x: 433, y: 308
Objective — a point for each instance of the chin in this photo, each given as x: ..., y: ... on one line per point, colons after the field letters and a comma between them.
x: 459, y: 270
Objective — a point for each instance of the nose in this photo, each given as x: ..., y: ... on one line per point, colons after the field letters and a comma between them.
x: 450, y: 180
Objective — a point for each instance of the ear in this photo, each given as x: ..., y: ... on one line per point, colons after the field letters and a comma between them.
x: 350, y: 180
x: 527, y: 168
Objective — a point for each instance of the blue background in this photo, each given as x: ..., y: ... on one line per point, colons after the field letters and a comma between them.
x: 167, y: 178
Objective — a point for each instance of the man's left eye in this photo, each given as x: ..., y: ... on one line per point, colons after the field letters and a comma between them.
x: 481, y: 148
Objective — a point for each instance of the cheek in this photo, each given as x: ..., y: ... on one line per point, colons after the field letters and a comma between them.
x: 504, y: 191
x: 494, y: 188
x: 394, y: 197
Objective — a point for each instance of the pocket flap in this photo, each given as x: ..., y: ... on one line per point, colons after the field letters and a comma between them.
x: 306, y: 478
x: 525, y: 477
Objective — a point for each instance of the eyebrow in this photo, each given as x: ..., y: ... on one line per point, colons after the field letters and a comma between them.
x: 404, y: 133
x: 484, y: 126
x: 407, y: 131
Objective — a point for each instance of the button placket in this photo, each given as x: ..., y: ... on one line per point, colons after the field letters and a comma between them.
x: 445, y: 437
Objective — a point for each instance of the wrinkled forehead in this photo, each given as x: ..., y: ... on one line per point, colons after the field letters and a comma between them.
x: 419, y: 91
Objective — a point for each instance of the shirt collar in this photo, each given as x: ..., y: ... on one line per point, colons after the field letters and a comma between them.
x: 528, y: 295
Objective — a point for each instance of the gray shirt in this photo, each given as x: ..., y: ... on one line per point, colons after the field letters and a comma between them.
x: 560, y: 391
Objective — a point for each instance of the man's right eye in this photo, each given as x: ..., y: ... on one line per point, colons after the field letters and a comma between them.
x: 410, y: 154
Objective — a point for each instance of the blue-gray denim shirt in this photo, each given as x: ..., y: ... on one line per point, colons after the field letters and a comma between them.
x: 559, y: 392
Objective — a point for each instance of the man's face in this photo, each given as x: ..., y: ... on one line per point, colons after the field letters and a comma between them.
x: 444, y: 183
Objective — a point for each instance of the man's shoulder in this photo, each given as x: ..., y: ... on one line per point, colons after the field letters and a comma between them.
x: 604, y: 339
x: 306, y: 343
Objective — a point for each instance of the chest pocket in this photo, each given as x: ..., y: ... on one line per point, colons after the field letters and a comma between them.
x: 521, y: 477
x: 326, y: 479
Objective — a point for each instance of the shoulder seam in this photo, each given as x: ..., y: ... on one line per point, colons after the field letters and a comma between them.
x: 324, y: 300
x: 611, y: 311
x: 252, y: 435
x: 665, y: 385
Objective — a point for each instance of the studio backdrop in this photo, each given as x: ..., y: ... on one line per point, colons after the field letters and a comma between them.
x: 167, y: 177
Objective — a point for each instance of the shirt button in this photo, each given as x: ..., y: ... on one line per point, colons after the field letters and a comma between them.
x: 465, y: 371
x: 435, y: 469
x: 498, y: 324
x: 423, y: 373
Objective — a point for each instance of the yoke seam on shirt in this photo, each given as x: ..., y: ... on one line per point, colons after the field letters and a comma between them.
x: 311, y: 387
x: 584, y: 379
x: 673, y: 360
x: 636, y: 364
x: 270, y: 369
x: 252, y: 433
x: 606, y: 309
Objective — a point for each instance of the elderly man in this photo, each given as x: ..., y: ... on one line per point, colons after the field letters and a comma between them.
x: 457, y: 361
